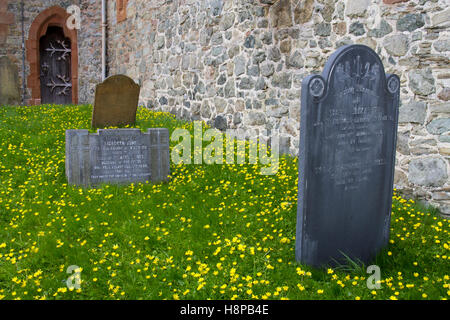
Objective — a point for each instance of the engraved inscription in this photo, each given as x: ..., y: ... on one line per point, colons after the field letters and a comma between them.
x: 117, y: 156
x: 354, y: 124
x: 120, y: 158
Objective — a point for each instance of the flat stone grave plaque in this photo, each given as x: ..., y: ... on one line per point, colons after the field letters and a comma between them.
x: 348, y: 128
x: 117, y: 156
x: 116, y: 101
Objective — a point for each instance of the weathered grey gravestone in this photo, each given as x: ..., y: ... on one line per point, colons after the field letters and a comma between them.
x: 116, y: 101
x: 117, y: 156
x: 348, y: 132
x: 9, y: 82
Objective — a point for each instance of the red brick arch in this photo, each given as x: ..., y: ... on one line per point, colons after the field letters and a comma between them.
x: 121, y: 10
x: 52, y: 17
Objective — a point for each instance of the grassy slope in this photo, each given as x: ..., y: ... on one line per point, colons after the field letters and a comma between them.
x: 215, y: 232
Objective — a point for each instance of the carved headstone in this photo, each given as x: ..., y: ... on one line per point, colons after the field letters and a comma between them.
x: 116, y: 101
x: 9, y: 82
x: 348, y: 130
x: 117, y: 156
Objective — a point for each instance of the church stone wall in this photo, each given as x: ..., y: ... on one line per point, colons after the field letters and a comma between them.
x: 89, y: 40
x: 240, y: 63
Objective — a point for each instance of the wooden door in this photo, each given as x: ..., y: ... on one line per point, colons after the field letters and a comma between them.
x: 55, y: 67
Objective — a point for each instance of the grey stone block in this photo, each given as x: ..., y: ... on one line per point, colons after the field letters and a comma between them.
x: 428, y: 172
x: 415, y: 111
x: 117, y: 156
x: 439, y: 126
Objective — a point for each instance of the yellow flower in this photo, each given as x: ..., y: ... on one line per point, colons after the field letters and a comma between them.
x: 201, y: 285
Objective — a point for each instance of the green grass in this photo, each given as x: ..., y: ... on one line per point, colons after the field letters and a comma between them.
x: 218, y: 232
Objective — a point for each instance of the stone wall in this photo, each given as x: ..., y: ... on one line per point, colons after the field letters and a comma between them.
x: 240, y: 63
x: 89, y: 39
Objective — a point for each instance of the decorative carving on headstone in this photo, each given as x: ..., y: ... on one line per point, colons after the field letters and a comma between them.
x: 349, y: 117
x: 317, y: 87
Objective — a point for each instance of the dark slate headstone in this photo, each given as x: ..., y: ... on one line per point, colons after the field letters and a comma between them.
x: 117, y: 156
x: 116, y: 101
x: 348, y: 130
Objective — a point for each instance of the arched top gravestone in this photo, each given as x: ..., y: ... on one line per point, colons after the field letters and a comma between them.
x: 9, y: 82
x: 116, y: 101
x: 348, y: 128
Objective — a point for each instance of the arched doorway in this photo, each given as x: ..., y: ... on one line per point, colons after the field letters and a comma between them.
x: 55, y: 66
x: 52, y: 54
